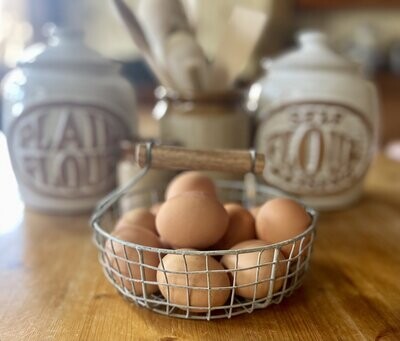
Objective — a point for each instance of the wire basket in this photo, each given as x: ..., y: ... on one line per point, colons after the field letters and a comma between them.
x: 138, y: 271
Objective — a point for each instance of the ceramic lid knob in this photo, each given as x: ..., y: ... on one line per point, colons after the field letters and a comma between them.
x: 66, y: 48
x: 312, y: 54
x: 312, y: 38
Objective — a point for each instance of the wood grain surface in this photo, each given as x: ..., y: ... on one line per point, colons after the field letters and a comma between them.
x: 230, y: 161
x: 52, y: 287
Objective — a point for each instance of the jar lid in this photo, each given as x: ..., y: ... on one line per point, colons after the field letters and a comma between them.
x: 313, y: 52
x: 65, y: 48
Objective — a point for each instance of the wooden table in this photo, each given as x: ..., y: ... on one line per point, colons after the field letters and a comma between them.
x: 52, y: 287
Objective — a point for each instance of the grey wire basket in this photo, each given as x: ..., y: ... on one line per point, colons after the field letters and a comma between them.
x: 126, y: 267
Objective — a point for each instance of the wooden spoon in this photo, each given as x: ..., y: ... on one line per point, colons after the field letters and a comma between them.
x: 186, y: 62
x: 141, y: 42
x: 160, y: 19
x: 237, y: 43
x: 192, y: 13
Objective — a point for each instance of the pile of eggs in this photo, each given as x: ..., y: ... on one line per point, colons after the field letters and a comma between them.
x: 192, y: 218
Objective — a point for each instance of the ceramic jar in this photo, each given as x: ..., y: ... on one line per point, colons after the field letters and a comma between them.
x: 317, y: 124
x: 65, y: 110
x: 204, y: 122
x: 208, y: 121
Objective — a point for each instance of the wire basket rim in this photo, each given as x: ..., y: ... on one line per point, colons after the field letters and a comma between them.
x: 264, y: 188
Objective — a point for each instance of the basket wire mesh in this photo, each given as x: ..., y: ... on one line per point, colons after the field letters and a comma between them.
x: 132, y: 268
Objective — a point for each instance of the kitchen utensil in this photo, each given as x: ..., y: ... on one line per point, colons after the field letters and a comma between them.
x: 186, y: 63
x: 212, y: 17
x: 192, y: 13
x: 160, y: 19
x: 104, y: 217
x: 141, y: 42
x: 237, y: 43
x: 193, y: 70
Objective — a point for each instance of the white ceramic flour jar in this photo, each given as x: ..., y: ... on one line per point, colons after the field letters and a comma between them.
x: 65, y: 110
x: 318, y: 123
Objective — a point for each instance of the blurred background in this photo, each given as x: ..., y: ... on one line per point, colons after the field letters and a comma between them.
x: 367, y: 31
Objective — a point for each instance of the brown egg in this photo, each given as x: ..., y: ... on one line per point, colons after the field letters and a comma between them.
x: 281, y: 219
x: 254, y: 211
x: 192, y: 220
x: 117, y: 259
x: 137, y: 217
x: 155, y: 208
x: 190, y: 182
x: 241, y: 227
x: 249, y: 264
x: 197, y: 282
x: 165, y: 244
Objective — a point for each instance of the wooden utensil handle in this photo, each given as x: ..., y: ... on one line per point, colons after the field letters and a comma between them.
x: 232, y: 161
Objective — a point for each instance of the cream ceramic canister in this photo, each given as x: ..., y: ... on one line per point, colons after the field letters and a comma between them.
x: 318, y: 122
x: 65, y: 110
x: 206, y: 121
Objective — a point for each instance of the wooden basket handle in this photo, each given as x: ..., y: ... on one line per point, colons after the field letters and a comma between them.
x: 221, y: 160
